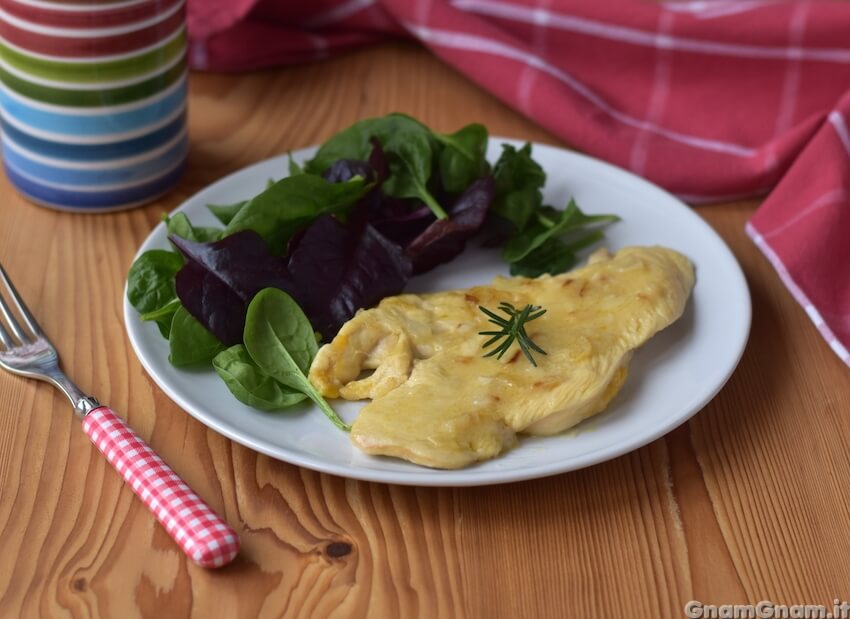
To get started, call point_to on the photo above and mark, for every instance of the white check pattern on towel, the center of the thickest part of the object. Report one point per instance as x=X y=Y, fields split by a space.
x=198 y=530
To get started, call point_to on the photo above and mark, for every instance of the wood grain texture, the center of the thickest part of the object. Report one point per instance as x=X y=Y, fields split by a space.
x=747 y=501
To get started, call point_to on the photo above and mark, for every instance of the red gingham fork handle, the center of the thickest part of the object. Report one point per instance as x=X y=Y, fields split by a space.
x=196 y=528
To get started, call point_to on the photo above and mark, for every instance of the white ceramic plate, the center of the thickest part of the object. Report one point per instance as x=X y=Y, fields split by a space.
x=671 y=378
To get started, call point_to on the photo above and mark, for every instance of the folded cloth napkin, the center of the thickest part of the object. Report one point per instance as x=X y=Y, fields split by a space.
x=714 y=100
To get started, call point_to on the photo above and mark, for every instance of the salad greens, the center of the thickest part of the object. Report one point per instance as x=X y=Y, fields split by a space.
x=547 y=224
x=444 y=239
x=179 y=225
x=292 y=203
x=281 y=342
x=151 y=289
x=190 y=344
x=163 y=316
x=553 y=256
x=411 y=149
x=519 y=180
x=541 y=238
x=225 y=212
x=219 y=279
x=250 y=385
x=356 y=265
x=462 y=159
x=381 y=201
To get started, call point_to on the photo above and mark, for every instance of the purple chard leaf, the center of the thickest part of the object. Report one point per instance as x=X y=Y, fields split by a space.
x=399 y=219
x=338 y=269
x=220 y=279
x=446 y=238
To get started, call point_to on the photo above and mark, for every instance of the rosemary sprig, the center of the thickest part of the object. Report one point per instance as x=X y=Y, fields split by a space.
x=512 y=329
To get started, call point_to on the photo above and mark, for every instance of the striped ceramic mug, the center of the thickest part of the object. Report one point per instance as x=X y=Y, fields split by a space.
x=93 y=100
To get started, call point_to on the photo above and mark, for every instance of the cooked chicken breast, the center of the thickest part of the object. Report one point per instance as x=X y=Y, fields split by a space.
x=438 y=402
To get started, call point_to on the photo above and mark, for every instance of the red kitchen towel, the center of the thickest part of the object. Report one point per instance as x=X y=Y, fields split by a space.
x=711 y=99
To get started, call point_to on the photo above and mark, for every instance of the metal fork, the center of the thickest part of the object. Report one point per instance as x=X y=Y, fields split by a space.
x=200 y=532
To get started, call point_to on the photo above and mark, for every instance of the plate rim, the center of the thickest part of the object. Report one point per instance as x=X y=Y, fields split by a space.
x=437 y=477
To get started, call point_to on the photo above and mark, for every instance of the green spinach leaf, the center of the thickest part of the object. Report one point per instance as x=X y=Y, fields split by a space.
x=544 y=239
x=410 y=148
x=462 y=157
x=150 y=283
x=292 y=203
x=410 y=155
x=226 y=212
x=554 y=256
x=519 y=180
x=294 y=168
x=250 y=385
x=550 y=223
x=282 y=343
x=163 y=317
x=355 y=141
x=150 y=286
x=189 y=342
x=551 y=257
x=179 y=225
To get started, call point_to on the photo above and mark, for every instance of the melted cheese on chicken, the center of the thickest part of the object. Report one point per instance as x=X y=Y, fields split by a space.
x=437 y=401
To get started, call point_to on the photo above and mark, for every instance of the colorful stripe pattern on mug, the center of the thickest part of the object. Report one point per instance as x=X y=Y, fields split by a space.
x=93 y=100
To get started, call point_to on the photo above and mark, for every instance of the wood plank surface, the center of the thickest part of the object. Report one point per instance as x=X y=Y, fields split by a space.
x=748 y=501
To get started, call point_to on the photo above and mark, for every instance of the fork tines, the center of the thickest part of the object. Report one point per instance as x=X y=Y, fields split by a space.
x=8 y=321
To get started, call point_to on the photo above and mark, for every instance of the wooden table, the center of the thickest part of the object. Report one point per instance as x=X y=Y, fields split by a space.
x=747 y=501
